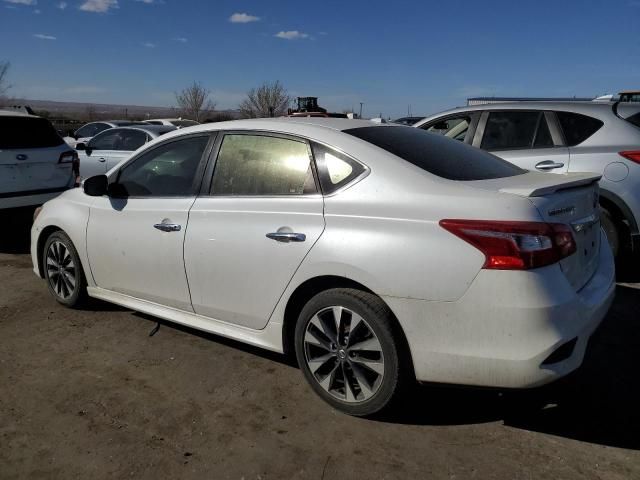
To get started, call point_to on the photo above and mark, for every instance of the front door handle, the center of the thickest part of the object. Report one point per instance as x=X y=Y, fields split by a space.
x=102 y=159
x=549 y=165
x=287 y=237
x=168 y=227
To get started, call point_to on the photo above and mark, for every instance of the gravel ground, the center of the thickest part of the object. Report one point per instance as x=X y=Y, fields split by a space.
x=88 y=394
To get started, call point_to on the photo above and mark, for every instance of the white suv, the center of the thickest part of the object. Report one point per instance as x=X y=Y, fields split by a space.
x=35 y=163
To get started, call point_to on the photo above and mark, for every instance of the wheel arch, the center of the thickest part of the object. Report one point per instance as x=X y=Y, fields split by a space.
x=311 y=287
x=618 y=208
x=42 y=238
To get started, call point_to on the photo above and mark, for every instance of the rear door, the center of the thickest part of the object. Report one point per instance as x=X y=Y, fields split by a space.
x=30 y=150
x=530 y=139
x=251 y=230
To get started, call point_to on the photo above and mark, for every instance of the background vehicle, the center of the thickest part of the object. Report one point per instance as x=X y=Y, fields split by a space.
x=630 y=96
x=90 y=130
x=35 y=163
x=407 y=120
x=175 y=122
x=560 y=137
x=107 y=149
x=329 y=238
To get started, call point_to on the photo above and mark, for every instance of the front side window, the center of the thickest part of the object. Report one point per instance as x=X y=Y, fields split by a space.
x=262 y=165
x=170 y=170
x=334 y=168
x=454 y=127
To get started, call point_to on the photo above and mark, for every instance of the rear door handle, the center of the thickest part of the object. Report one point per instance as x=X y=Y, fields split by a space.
x=287 y=237
x=549 y=165
x=102 y=159
x=168 y=227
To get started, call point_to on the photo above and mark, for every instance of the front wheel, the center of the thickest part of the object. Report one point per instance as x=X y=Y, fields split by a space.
x=63 y=271
x=348 y=352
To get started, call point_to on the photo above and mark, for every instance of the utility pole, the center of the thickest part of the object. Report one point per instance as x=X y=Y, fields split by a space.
x=360 y=116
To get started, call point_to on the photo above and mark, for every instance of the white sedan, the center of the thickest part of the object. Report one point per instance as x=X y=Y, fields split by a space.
x=377 y=254
x=108 y=148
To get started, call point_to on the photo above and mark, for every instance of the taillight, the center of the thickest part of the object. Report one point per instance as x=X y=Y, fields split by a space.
x=68 y=157
x=633 y=155
x=515 y=245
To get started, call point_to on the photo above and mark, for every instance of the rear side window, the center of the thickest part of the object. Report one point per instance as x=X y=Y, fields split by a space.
x=27 y=132
x=334 y=168
x=436 y=154
x=512 y=130
x=453 y=127
x=263 y=165
x=576 y=127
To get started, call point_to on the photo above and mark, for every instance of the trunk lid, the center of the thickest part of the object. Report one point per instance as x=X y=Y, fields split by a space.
x=571 y=199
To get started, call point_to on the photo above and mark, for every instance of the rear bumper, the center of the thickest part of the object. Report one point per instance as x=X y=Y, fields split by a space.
x=504 y=330
x=30 y=198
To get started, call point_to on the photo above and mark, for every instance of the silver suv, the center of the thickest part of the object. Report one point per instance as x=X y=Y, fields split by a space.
x=561 y=137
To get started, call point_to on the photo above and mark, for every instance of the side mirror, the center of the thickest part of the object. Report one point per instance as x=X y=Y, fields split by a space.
x=96 y=186
x=81 y=146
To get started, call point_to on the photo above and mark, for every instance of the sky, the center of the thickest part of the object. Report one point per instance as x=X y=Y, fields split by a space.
x=390 y=55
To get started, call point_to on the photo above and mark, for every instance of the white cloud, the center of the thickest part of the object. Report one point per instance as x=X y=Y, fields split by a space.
x=149 y=45
x=291 y=35
x=98 y=6
x=42 y=36
x=22 y=2
x=181 y=39
x=37 y=11
x=62 y=5
x=243 y=18
x=148 y=2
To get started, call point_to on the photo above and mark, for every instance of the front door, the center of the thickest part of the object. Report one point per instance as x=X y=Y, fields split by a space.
x=525 y=138
x=135 y=236
x=248 y=236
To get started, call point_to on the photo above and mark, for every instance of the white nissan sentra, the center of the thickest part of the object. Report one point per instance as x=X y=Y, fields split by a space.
x=378 y=254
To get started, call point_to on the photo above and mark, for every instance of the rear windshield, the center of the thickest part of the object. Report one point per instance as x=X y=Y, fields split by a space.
x=183 y=123
x=436 y=154
x=27 y=132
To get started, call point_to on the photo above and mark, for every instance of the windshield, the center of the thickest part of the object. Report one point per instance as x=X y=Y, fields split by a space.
x=436 y=154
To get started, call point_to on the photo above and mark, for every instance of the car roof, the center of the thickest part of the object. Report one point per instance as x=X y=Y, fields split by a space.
x=154 y=130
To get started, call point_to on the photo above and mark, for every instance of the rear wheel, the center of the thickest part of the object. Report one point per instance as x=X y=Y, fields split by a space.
x=63 y=271
x=347 y=351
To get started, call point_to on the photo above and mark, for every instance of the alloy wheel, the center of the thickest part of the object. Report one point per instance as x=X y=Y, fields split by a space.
x=61 y=270
x=344 y=354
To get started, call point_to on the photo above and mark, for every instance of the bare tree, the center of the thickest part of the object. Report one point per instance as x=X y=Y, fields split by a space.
x=268 y=100
x=194 y=101
x=4 y=85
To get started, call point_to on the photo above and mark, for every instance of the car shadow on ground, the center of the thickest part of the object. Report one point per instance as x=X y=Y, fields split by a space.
x=16 y=231
x=600 y=403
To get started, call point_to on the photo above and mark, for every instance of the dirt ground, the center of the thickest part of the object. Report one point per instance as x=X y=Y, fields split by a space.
x=89 y=394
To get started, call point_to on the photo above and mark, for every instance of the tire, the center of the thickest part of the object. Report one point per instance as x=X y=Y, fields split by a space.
x=611 y=229
x=368 y=353
x=63 y=270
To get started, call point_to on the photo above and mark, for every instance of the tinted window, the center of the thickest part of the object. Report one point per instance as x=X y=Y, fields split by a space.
x=436 y=154
x=131 y=140
x=87 y=131
x=170 y=170
x=635 y=119
x=27 y=132
x=510 y=130
x=576 y=127
x=543 y=135
x=334 y=169
x=108 y=140
x=184 y=123
x=455 y=127
x=262 y=165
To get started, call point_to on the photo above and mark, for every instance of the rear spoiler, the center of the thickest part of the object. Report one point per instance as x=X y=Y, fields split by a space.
x=550 y=183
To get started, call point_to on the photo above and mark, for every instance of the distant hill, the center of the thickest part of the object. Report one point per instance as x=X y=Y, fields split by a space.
x=105 y=111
